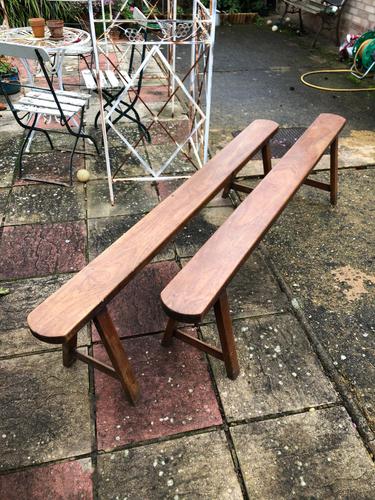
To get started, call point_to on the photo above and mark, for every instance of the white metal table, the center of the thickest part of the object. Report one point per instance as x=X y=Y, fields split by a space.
x=75 y=42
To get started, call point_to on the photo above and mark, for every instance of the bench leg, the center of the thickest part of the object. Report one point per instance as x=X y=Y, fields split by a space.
x=117 y=354
x=169 y=331
x=266 y=156
x=334 y=170
x=69 y=351
x=224 y=325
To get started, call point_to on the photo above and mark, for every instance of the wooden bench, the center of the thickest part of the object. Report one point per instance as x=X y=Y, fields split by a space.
x=327 y=10
x=86 y=295
x=202 y=283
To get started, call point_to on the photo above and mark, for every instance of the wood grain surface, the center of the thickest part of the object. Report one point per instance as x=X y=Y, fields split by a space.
x=197 y=286
x=61 y=315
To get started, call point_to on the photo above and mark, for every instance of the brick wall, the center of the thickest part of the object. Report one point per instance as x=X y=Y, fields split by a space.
x=358 y=16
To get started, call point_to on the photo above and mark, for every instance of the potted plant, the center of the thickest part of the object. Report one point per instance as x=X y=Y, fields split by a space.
x=9 y=77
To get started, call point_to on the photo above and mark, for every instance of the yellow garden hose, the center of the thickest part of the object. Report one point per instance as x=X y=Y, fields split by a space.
x=353 y=69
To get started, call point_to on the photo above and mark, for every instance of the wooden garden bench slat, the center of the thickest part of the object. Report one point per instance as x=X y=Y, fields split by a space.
x=84 y=297
x=202 y=282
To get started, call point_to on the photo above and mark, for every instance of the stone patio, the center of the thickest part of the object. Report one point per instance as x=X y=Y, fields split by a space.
x=300 y=419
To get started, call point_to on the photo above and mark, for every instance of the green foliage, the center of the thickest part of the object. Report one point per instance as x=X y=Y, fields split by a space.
x=20 y=11
x=6 y=67
x=234 y=6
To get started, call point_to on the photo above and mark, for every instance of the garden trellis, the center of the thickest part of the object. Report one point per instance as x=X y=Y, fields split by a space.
x=188 y=91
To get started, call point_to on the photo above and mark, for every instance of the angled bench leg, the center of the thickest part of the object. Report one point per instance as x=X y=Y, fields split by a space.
x=224 y=326
x=334 y=170
x=169 y=332
x=266 y=157
x=117 y=355
x=69 y=352
x=267 y=166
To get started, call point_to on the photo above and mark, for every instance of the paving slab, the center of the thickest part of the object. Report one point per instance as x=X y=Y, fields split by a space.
x=191 y=467
x=196 y=232
x=44 y=410
x=131 y=198
x=62 y=480
x=21 y=341
x=279 y=370
x=4 y=194
x=42 y=249
x=105 y=231
x=165 y=188
x=49 y=165
x=137 y=308
x=9 y=146
x=326 y=258
x=38 y=203
x=253 y=291
x=24 y=296
x=176 y=394
x=309 y=455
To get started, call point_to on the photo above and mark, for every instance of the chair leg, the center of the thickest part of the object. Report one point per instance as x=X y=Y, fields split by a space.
x=169 y=331
x=23 y=147
x=48 y=138
x=334 y=170
x=266 y=157
x=117 y=354
x=224 y=325
x=69 y=348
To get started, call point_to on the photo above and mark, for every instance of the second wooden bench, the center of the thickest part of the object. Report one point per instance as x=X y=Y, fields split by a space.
x=201 y=284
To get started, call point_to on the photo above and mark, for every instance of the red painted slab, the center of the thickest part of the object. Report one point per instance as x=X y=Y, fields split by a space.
x=176 y=394
x=42 y=249
x=137 y=308
x=58 y=481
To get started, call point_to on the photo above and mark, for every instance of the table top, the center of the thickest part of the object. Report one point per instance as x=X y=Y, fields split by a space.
x=75 y=41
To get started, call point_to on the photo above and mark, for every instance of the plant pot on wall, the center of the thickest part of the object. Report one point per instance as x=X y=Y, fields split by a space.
x=38 y=25
x=56 y=28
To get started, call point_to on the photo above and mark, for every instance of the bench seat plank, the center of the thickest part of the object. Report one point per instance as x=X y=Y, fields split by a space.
x=198 y=285
x=60 y=316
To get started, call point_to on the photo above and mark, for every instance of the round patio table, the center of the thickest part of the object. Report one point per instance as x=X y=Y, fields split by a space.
x=75 y=42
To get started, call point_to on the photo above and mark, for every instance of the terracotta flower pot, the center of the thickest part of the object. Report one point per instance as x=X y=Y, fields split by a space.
x=37 y=25
x=56 y=28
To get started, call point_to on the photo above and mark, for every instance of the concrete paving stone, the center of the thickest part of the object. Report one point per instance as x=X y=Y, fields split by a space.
x=24 y=296
x=253 y=291
x=21 y=341
x=165 y=188
x=176 y=394
x=105 y=231
x=41 y=249
x=170 y=131
x=131 y=198
x=44 y=410
x=326 y=257
x=9 y=147
x=190 y=467
x=310 y=455
x=4 y=194
x=120 y=158
x=196 y=232
x=67 y=480
x=279 y=370
x=137 y=308
x=45 y=203
x=53 y=166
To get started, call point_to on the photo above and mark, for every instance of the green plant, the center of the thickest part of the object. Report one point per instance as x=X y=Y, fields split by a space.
x=6 y=66
x=20 y=11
